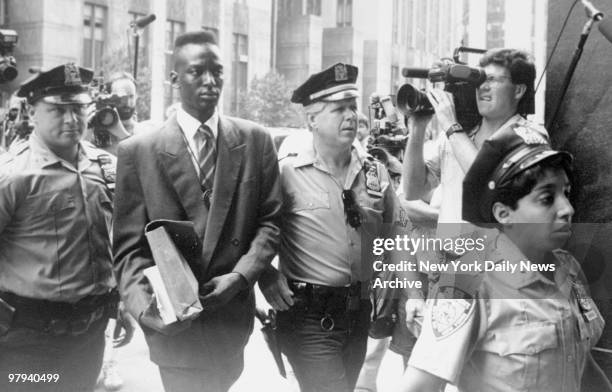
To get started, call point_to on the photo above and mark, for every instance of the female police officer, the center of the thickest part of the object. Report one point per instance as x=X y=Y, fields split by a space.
x=519 y=325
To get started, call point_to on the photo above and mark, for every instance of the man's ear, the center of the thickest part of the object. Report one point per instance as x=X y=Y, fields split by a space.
x=519 y=91
x=311 y=120
x=502 y=213
x=174 y=77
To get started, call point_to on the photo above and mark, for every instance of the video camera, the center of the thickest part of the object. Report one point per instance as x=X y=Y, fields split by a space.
x=105 y=114
x=387 y=129
x=8 y=64
x=459 y=79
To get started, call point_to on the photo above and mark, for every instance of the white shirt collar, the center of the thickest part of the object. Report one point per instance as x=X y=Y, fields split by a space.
x=189 y=124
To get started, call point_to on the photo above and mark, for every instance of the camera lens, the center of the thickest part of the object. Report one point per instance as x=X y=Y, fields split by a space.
x=410 y=100
x=7 y=73
x=106 y=117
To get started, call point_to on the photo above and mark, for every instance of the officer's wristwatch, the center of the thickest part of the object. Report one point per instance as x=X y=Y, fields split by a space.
x=453 y=129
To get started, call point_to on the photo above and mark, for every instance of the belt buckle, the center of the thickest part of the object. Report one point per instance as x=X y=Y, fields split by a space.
x=57 y=327
x=327 y=323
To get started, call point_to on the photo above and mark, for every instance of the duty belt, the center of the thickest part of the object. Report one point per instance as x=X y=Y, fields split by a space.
x=311 y=290
x=61 y=318
x=330 y=301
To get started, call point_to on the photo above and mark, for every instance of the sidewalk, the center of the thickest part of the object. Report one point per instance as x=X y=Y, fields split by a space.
x=260 y=373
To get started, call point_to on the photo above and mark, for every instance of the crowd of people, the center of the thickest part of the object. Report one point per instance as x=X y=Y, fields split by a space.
x=75 y=208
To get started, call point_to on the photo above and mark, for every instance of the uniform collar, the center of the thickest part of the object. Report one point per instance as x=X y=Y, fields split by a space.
x=190 y=125
x=517 y=118
x=308 y=156
x=44 y=157
x=503 y=249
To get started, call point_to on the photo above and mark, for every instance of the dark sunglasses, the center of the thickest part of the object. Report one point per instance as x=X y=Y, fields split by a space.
x=353 y=217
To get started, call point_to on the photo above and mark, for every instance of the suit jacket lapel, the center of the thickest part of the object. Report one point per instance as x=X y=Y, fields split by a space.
x=229 y=160
x=177 y=163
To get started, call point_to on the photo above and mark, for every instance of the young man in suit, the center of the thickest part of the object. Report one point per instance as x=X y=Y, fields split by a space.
x=220 y=173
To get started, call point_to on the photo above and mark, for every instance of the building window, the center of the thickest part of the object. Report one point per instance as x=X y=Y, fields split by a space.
x=314 y=7
x=173 y=29
x=287 y=8
x=344 y=16
x=143 y=42
x=240 y=64
x=94 y=33
x=495 y=23
x=4 y=19
x=395 y=39
x=409 y=22
x=395 y=79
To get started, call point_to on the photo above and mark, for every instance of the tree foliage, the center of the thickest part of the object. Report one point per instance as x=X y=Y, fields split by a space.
x=268 y=102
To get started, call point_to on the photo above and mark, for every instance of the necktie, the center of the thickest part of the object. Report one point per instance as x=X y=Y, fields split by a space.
x=207 y=156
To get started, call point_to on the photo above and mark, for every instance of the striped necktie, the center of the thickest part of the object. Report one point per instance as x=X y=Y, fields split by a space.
x=207 y=156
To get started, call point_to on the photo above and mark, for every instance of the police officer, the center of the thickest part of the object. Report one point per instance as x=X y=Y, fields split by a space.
x=336 y=199
x=56 y=281
x=526 y=322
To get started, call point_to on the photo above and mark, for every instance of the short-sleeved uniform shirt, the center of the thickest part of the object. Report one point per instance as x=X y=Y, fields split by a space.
x=317 y=244
x=55 y=222
x=444 y=169
x=509 y=331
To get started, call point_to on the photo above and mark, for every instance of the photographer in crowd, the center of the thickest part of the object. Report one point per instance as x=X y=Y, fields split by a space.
x=56 y=281
x=120 y=100
x=503 y=99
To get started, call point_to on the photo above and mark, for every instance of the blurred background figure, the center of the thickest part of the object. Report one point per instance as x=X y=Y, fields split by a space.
x=363 y=130
x=16 y=127
x=114 y=117
x=423 y=215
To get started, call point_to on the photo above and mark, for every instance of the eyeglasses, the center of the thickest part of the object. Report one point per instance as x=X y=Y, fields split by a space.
x=499 y=79
x=353 y=216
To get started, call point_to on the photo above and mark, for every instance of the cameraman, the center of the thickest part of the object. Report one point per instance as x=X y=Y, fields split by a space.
x=503 y=100
x=122 y=85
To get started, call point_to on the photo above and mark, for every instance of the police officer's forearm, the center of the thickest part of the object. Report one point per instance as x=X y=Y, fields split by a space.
x=414 y=169
x=416 y=380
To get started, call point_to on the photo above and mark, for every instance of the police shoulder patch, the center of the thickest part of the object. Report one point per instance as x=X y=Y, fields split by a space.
x=450 y=310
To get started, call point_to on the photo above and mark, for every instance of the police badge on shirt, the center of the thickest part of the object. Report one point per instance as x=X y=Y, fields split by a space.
x=450 y=310
x=372 y=179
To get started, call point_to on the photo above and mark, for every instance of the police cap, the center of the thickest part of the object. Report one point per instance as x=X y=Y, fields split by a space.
x=65 y=84
x=509 y=152
x=333 y=84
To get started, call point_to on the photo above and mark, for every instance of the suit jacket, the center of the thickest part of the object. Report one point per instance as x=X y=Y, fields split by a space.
x=156 y=179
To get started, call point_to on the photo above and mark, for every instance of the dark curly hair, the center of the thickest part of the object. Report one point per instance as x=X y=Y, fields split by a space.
x=522 y=71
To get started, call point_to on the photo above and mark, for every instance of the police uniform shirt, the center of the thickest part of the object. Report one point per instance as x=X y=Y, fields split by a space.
x=503 y=331
x=317 y=244
x=55 y=223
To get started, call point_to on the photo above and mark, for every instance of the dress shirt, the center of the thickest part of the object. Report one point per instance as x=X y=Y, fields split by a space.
x=189 y=126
